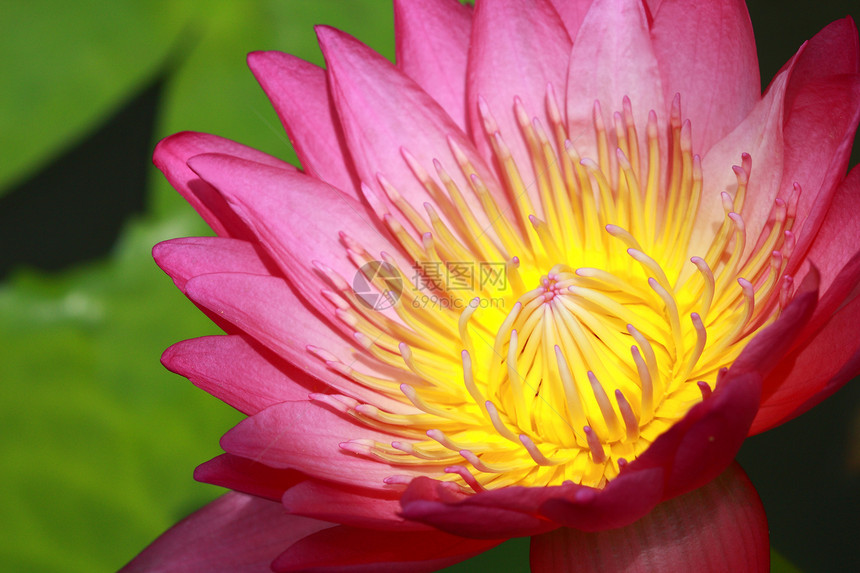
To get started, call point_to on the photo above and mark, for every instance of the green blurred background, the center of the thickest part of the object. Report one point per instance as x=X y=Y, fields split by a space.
x=97 y=441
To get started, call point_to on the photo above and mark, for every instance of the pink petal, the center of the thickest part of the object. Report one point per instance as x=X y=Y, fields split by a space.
x=612 y=57
x=517 y=49
x=268 y=310
x=572 y=13
x=236 y=532
x=235 y=371
x=306 y=436
x=349 y=506
x=719 y=527
x=821 y=363
x=299 y=93
x=283 y=210
x=706 y=52
x=171 y=155
x=761 y=135
x=432 y=47
x=247 y=476
x=189 y=257
x=351 y=549
x=383 y=113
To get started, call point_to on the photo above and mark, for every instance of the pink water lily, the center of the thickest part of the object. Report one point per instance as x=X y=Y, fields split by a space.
x=596 y=258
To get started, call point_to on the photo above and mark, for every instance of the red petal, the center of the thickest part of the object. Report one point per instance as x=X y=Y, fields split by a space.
x=171 y=156
x=432 y=48
x=236 y=532
x=352 y=549
x=247 y=476
x=720 y=527
x=348 y=506
x=706 y=52
x=299 y=94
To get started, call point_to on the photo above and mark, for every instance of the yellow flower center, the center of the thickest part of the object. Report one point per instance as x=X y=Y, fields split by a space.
x=541 y=349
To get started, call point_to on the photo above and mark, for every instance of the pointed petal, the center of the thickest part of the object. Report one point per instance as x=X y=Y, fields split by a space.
x=189 y=257
x=295 y=217
x=247 y=476
x=266 y=309
x=233 y=370
x=612 y=57
x=306 y=436
x=706 y=52
x=516 y=50
x=719 y=527
x=299 y=94
x=348 y=506
x=432 y=48
x=236 y=532
x=383 y=113
x=171 y=157
x=354 y=550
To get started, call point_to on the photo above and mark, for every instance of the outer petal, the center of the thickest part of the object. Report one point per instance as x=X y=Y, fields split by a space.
x=171 y=156
x=517 y=49
x=706 y=52
x=237 y=372
x=247 y=476
x=349 y=549
x=720 y=527
x=612 y=57
x=384 y=113
x=283 y=210
x=269 y=311
x=236 y=532
x=348 y=506
x=432 y=48
x=299 y=93
x=189 y=257
x=306 y=436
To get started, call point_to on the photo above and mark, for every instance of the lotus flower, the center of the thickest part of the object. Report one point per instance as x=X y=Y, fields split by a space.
x=541 y=278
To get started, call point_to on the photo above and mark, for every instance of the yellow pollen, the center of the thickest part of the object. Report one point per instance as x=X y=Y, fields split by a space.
x=534 y=344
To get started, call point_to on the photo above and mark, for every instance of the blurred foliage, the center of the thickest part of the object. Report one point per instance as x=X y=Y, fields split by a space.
x=98 y=440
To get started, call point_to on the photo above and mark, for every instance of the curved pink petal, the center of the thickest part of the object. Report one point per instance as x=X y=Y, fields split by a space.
x=356 y=507
x=189 y=257
x=282 y=209
x=299 y=93
x=247 y=476
x=612 y=57
x=517 y=49
x=306 y=436
x=236 y=532
x=245 y=376
x=384 y=113
x=171 y=156
x=353 y=550
x=719 y=527
x=706 y=52
x=432 y=45
x=268 y=310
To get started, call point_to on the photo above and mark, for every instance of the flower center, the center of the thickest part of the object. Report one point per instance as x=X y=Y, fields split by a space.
x=541 y=343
